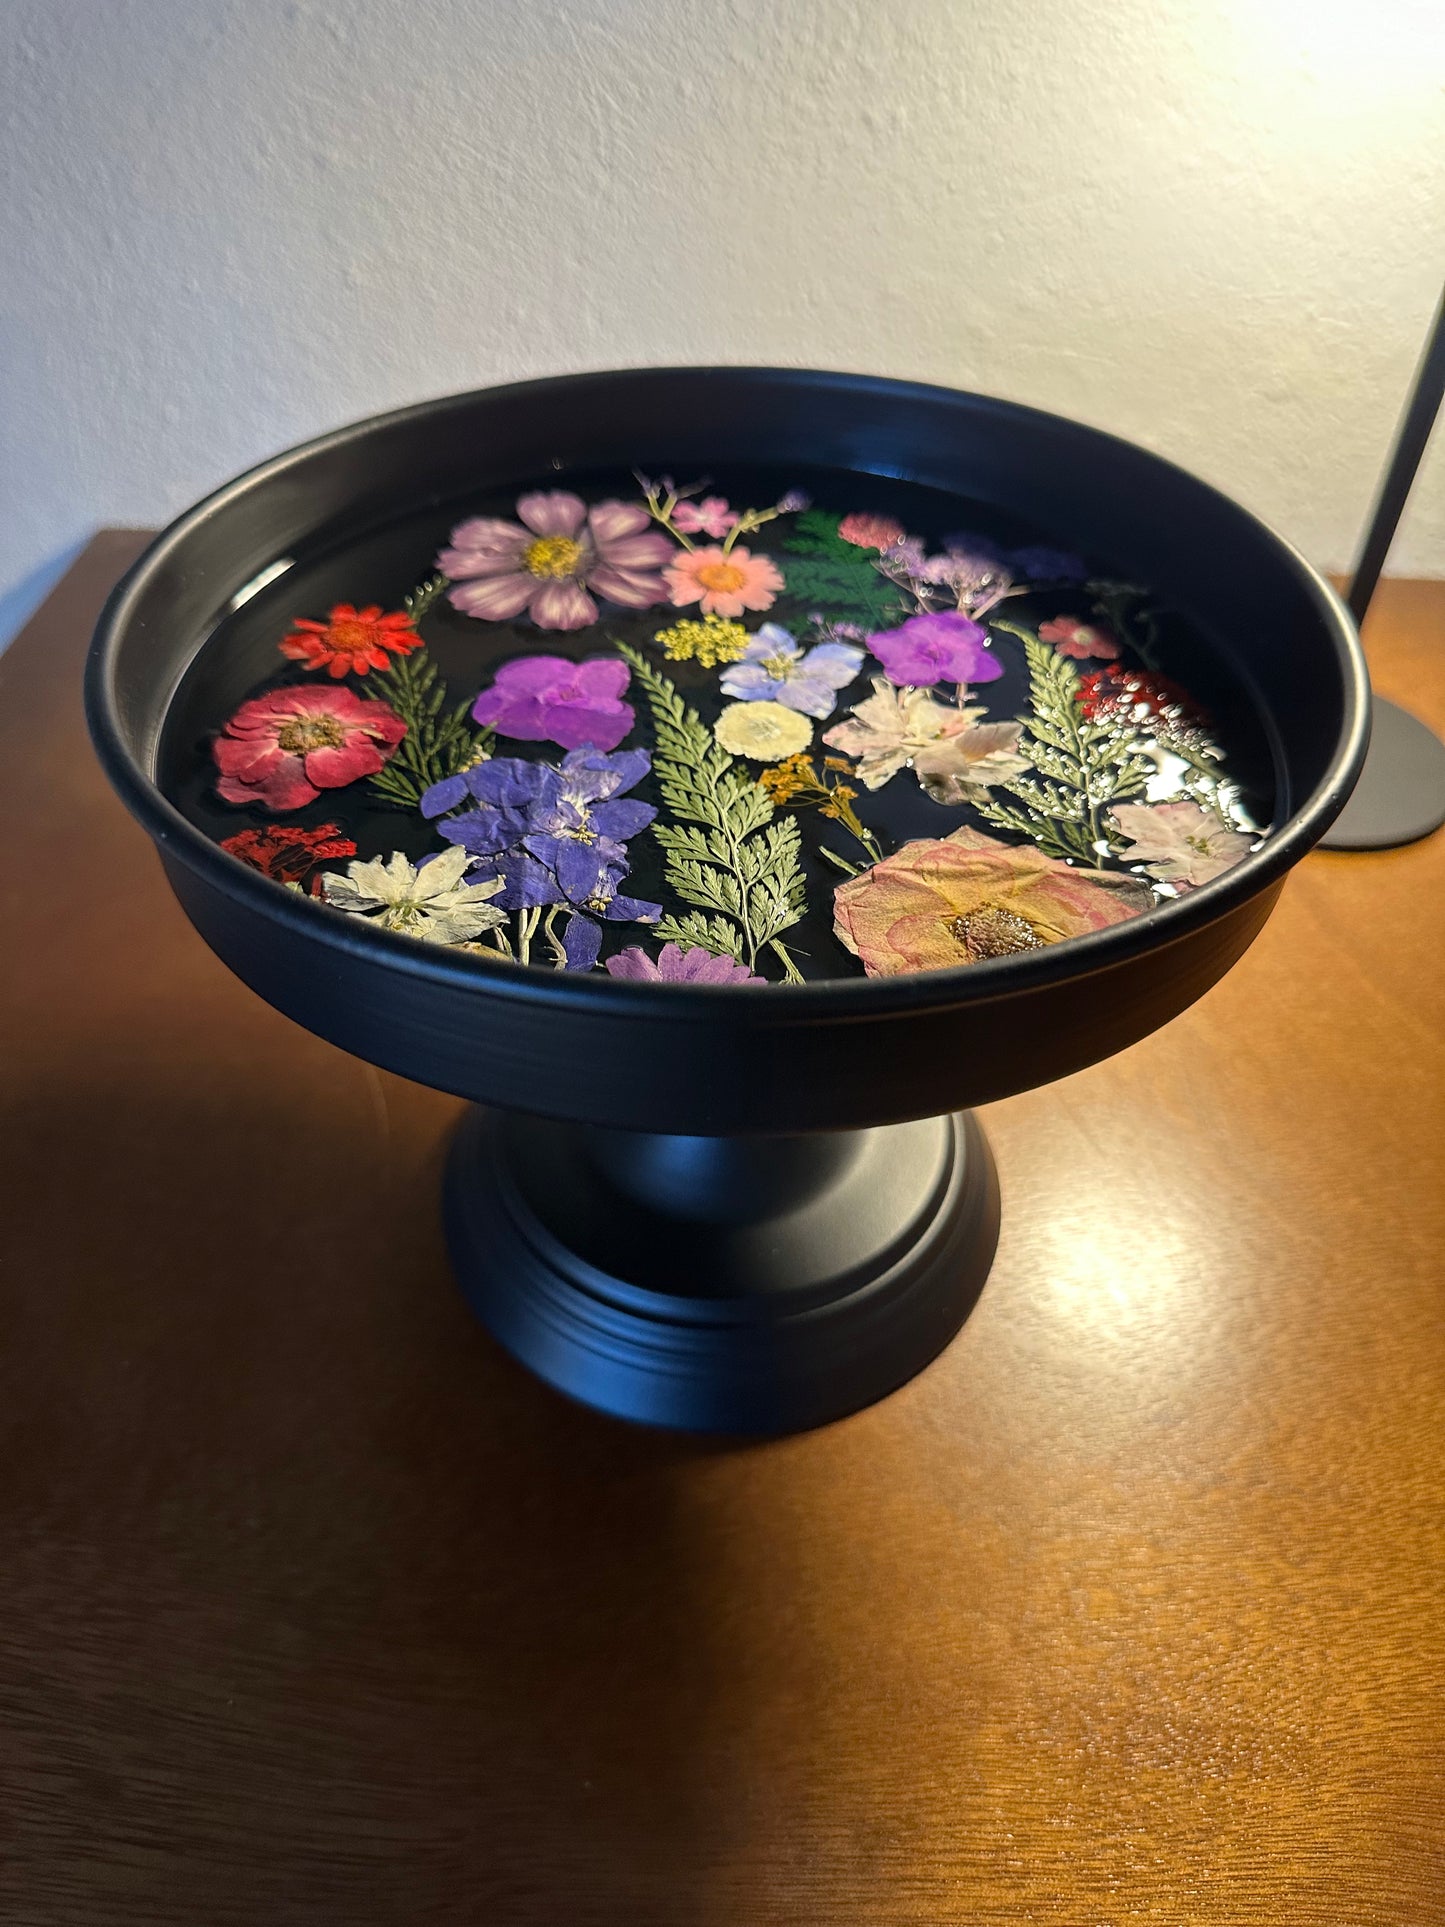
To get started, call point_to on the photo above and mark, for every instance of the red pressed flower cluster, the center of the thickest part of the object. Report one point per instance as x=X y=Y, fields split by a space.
x=1137 y=696
x=351 y=641
x=288 y=854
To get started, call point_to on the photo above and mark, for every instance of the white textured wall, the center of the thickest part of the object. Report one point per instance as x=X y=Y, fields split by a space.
x=1214 y=225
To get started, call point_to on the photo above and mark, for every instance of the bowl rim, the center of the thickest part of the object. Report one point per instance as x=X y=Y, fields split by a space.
x=819 y=1000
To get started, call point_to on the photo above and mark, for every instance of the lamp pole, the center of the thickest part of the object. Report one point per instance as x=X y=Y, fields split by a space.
x=1400 y=796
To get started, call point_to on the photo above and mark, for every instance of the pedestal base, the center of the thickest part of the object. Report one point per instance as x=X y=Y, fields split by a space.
x=744 y=1285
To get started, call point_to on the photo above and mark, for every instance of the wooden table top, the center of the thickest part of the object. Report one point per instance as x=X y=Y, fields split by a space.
x=317 y=1609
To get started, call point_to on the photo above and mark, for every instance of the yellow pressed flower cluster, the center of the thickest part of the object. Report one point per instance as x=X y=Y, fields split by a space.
x=710 y=641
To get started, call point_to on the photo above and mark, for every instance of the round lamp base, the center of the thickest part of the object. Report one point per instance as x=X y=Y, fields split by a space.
x=742 y=1285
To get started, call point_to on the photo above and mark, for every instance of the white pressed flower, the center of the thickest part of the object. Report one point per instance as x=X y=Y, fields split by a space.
x=430 y=902
x=894 y=726
x=1180 y=843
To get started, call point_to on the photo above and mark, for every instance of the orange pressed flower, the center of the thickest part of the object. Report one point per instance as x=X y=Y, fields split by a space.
x=351 y=641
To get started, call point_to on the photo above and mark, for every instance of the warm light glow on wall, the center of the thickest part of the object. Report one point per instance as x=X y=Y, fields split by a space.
x=1365 y=52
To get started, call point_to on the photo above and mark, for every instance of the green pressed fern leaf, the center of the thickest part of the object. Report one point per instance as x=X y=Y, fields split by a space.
x=726 y=852
x=824 y=571
x=438 y=741
x=1080 y=766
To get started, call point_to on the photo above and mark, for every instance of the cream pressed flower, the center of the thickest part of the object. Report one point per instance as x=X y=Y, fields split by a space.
x=766 y=732
x=431 y=902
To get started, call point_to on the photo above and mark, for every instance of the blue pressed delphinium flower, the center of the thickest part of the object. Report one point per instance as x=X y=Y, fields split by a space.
x=554 y=835
x=774 y=669
x=589 y=883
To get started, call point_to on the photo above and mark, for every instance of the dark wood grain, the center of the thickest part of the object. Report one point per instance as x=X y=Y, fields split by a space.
x=318 y=1610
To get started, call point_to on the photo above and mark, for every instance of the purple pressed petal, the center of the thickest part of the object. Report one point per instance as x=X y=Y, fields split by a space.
x=527 y=883
x=563 y=605
x=489 y=532
x=638 y=554
x=464 y=565
x=579 y=870
x=603 y=677
x=810 y=695
x=552 y=511
x=532 y=675
x=631 y=590
x=634 y=965
x=631 y=910
x=494 y=598
x=510 y=782
x=581 y=942
x=523 y=717
x=483 y=832
x=613 y=521
x=986 y=667
x=623 y=818
x=599 y=726
x=748 y=682
x=444 y=796
x=838 y=661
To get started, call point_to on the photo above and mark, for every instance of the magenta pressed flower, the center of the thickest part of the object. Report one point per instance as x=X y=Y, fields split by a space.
x=547 y=567
x=546 y=699
x=675 y=965
x=943 y=646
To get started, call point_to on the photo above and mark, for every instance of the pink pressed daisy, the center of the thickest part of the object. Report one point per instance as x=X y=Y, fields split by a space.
x=547 y=567
x=282 y=750
x=723 y=582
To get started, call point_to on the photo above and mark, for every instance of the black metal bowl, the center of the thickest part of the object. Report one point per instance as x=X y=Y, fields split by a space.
x=727 y=1062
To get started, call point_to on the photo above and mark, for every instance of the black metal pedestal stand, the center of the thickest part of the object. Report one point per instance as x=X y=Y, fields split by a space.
x=744 y=1285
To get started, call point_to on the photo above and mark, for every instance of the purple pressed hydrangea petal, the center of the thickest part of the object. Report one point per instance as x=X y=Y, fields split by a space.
x=534 y=675
x=603 y=677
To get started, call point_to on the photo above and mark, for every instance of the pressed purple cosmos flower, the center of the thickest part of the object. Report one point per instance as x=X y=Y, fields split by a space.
x=774 y=669
x=1039 y=564
x=945 y=646
x=675 y=965
x=500 y=568
x=546 y=699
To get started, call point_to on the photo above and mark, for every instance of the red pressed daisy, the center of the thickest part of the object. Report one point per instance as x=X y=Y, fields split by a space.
x=286 y=853
x=351 y=641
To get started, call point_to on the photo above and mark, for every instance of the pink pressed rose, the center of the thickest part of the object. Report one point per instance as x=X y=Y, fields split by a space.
x=546 y=699
x=1072 y=636
x=710 y=517
x=282 y=750
x=871 y=531
x=967 y=898
x=723 y=582
x=547 y=567
x=675 y=965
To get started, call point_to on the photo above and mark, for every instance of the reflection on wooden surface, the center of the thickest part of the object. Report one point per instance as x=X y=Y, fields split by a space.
x=318 y=1610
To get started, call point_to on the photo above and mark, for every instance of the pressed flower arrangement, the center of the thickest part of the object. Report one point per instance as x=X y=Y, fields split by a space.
x=720 y=733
